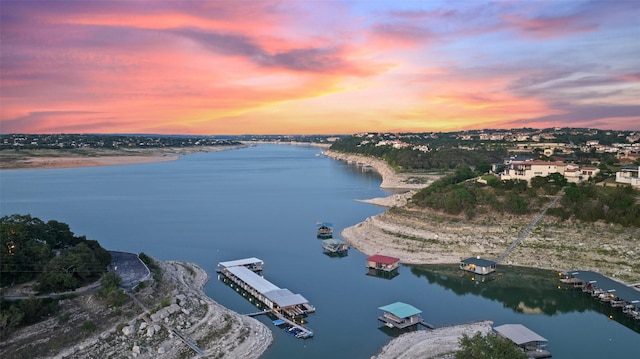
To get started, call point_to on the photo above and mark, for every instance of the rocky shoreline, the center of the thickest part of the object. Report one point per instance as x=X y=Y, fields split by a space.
x=441 y=343
x=422 y=236
x=218 y=331
x=147 y=326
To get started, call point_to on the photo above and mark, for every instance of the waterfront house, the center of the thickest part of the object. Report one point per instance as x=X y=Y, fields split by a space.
x=478 y=265
x=531 y=343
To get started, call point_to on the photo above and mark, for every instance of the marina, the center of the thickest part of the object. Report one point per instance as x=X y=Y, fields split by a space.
x=606 y=290
x=285 y=305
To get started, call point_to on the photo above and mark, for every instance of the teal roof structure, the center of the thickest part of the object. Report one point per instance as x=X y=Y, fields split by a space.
x=401 y=310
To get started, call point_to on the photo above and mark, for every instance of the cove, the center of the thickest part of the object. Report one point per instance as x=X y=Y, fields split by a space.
x=265 y=201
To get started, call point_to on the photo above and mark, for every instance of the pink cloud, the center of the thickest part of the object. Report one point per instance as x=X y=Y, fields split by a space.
x=542 y=27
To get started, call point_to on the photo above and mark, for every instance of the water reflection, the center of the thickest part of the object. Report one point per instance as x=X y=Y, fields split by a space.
x=523 y=290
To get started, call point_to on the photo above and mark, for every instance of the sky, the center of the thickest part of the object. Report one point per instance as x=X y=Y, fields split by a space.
x=317 y=66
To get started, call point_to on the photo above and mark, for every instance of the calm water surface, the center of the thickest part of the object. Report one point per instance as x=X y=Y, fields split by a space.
x=265 y=201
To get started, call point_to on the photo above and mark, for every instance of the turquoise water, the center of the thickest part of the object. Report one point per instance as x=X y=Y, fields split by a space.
x=265 y=201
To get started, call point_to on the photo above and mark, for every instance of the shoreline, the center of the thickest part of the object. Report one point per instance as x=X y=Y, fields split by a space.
x=441 y=343
x=55 y=159
x=146 y=328
x=426 y=237
x=422 y=236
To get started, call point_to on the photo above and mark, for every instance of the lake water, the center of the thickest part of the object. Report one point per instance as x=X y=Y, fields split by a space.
x=265 y=202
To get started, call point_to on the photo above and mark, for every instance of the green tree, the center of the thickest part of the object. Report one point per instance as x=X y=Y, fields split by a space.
x=488 y=347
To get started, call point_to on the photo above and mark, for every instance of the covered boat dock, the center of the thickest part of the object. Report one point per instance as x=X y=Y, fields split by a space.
x=401 y=316
x=325 y=230
x=478 y=265
x=253 y=263
x=529 y=341
x=275 y=298
x=284 y=304
x=335 y=246
x=383 y=266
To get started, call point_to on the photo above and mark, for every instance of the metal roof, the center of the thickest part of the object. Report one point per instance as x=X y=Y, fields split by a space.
x=240 y=262
x=378 y=258
x=620 y=290
x=284 y=297
x=333 y=241
x=401 y=310
x=519 y=334
x=478 y=261
x=248 y=276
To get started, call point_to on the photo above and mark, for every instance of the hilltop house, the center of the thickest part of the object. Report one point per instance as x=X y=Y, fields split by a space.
x=526 y=170
x=630 y=175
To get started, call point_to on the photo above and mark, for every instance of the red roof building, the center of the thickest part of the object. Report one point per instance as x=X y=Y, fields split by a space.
x=384 y=263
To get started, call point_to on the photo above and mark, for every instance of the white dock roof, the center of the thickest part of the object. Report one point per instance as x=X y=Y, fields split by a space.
x=519 y=334
x=240 y=262
x=248 y=276
x=284 y=298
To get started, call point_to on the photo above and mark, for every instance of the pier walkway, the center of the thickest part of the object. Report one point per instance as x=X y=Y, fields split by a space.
x=529 y=228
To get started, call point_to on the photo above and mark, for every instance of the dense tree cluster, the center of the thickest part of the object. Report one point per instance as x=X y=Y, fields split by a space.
x=488 y=346
x=49 y=253
x=24 y=312
x=460 y=193
x=590 y=203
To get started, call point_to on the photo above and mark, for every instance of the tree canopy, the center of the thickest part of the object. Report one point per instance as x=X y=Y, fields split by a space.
x=488 y=347
x=49 y=253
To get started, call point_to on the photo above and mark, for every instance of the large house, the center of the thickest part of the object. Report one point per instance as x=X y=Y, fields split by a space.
x=630 y=175
x=526 y=170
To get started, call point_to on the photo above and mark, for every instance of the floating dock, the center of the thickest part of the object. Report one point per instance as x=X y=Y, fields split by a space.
x=335 y=246
x=284 y=304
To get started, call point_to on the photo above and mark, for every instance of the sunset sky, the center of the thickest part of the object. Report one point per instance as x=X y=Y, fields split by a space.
x=317 y=66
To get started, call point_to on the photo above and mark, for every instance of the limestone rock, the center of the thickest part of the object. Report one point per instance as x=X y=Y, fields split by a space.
x=128 y=330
